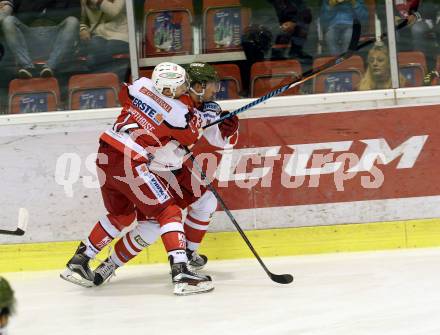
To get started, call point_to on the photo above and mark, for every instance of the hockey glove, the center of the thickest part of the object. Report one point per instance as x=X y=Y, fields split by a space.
x=229 y=126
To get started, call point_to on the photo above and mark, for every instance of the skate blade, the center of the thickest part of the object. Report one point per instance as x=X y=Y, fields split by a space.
x=195 y=268
x=182 y=289
x=75 y=278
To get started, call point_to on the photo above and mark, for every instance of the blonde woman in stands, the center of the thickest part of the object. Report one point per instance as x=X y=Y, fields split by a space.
x=378 y=75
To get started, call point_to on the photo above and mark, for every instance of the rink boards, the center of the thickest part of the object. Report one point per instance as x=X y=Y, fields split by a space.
x=337 y=176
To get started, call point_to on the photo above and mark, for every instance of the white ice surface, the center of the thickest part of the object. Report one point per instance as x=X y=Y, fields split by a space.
x=383 y=293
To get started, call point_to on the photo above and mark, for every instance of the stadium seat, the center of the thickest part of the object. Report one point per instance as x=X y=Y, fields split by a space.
x=344 y=77
x=143 y=73
x=223 y=25
x=269 y=75
x=35 y=95
x=90 y=91
x=412 y=65
x=168 y=27
x=146 y=72
x=230 y=80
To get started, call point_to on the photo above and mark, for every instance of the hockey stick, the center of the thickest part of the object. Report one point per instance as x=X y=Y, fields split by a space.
x=23 y=218
x=312 y=73
x=281 y=279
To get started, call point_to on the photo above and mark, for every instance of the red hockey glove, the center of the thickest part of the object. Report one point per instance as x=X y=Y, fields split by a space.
x=229 y=126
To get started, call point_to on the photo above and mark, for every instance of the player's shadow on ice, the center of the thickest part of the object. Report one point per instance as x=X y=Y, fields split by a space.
x=126 y=284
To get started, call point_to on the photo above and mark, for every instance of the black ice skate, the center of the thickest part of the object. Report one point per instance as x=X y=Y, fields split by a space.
x=104 y=272
x=196 y=262
x=77 y=269
x=187 y=282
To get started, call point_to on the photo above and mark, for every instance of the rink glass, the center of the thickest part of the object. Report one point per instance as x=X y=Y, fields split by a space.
x=251 y=50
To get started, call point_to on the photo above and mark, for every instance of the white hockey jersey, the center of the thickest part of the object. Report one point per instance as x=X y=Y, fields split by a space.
x=155 y=128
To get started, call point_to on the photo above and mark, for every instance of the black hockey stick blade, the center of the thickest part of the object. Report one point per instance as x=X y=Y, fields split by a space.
x=23 y=218
x=17 y=232
x=281 y=279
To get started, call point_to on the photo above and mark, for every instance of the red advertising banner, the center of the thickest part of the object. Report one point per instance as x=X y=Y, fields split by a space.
x=328 y=158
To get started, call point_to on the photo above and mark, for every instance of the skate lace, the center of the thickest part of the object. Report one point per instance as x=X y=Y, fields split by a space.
x=194 y=273
x=108 y=270
x=194 y=256
x=197 y=259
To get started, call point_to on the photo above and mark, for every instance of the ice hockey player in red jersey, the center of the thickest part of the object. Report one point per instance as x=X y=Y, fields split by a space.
x=135 y=163
x=204 y=84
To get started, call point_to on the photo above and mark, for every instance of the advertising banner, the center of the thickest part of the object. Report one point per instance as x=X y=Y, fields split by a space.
x=330 y=158
x=286 y=171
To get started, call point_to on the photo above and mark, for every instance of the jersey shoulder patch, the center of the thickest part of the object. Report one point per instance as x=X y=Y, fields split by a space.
x=211 y=107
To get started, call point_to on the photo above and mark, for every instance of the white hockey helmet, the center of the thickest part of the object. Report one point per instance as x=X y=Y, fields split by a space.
x=168 y=75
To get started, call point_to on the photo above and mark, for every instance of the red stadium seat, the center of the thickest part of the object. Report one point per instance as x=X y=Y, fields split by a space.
x=142 y=73
x=145 y=72
x=269 y=75
x=230 y=79
x=223 y=25
x=35 y=95
x=90 y=91
x=412 y=65
x=344 y=77
x=168 y=27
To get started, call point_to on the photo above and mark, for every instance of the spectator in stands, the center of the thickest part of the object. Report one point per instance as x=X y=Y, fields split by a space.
x=408 y=9
x=103 y=31
x=257 y=42
x=337 y=22
x=424 y=33
x=278 y=30
x=293 y=18
x=378 y=75
x=41 y=30
x=5 y=9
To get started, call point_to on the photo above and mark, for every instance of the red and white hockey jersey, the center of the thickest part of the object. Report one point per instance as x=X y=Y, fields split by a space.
x=153 y=128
